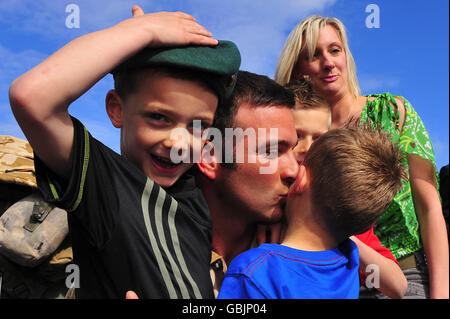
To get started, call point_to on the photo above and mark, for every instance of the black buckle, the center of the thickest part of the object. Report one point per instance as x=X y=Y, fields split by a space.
x=40 y=211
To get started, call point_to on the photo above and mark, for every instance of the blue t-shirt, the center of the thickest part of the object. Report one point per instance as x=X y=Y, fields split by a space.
x=277 y=271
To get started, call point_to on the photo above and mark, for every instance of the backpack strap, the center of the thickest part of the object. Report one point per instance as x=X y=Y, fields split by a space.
x=41 y=209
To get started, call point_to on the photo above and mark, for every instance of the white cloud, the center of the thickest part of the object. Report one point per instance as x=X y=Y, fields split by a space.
x=377 y=83
x=259 y=27
x=13 y=64
x=47 y=18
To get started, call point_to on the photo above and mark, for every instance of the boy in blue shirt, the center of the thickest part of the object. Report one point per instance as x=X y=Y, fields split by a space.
x=348 y=178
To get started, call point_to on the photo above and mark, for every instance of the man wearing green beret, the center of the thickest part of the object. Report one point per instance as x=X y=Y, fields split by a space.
x=137 y=220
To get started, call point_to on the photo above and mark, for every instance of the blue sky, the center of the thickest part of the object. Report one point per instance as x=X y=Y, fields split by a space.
x=407 y=55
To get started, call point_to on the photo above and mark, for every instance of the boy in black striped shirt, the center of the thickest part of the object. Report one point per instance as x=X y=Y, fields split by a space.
x=137 y=220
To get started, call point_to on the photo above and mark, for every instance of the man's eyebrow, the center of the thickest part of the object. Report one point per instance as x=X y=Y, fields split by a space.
x=283 y=143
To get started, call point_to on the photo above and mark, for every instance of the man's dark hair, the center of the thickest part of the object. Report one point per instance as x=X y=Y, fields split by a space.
x=255 y=90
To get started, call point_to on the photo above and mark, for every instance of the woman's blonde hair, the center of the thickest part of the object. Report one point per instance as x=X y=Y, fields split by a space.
x=308 y=31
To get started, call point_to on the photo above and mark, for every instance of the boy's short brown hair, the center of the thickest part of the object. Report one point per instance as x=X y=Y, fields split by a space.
x=355 y=173
x=305 y=95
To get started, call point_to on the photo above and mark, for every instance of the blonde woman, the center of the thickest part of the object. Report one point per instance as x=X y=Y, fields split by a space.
x=317 y=48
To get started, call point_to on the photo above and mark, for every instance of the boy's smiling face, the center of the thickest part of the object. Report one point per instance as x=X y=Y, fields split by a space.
x=310 y=124
x=150 y=115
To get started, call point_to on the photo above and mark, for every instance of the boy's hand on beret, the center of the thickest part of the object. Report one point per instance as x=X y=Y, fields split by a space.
x=171 y=28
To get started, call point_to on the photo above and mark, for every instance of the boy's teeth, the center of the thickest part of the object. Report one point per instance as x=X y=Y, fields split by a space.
x=166 y=162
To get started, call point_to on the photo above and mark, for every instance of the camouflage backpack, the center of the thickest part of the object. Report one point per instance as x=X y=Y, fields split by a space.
x=34 y=246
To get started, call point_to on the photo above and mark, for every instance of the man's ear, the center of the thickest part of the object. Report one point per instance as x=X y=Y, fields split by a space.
x=208 y=164
x=302 y=181
x=114 y=108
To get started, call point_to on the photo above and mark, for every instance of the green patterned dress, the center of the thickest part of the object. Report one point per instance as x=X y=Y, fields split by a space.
x=398 y=227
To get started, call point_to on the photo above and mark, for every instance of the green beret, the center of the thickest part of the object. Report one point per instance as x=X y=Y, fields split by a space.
x=222 y=60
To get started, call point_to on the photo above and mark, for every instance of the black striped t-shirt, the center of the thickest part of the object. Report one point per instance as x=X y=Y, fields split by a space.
x=127 y=232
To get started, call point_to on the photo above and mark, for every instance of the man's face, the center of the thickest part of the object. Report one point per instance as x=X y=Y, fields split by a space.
x=256 y=196
x=160 y=105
